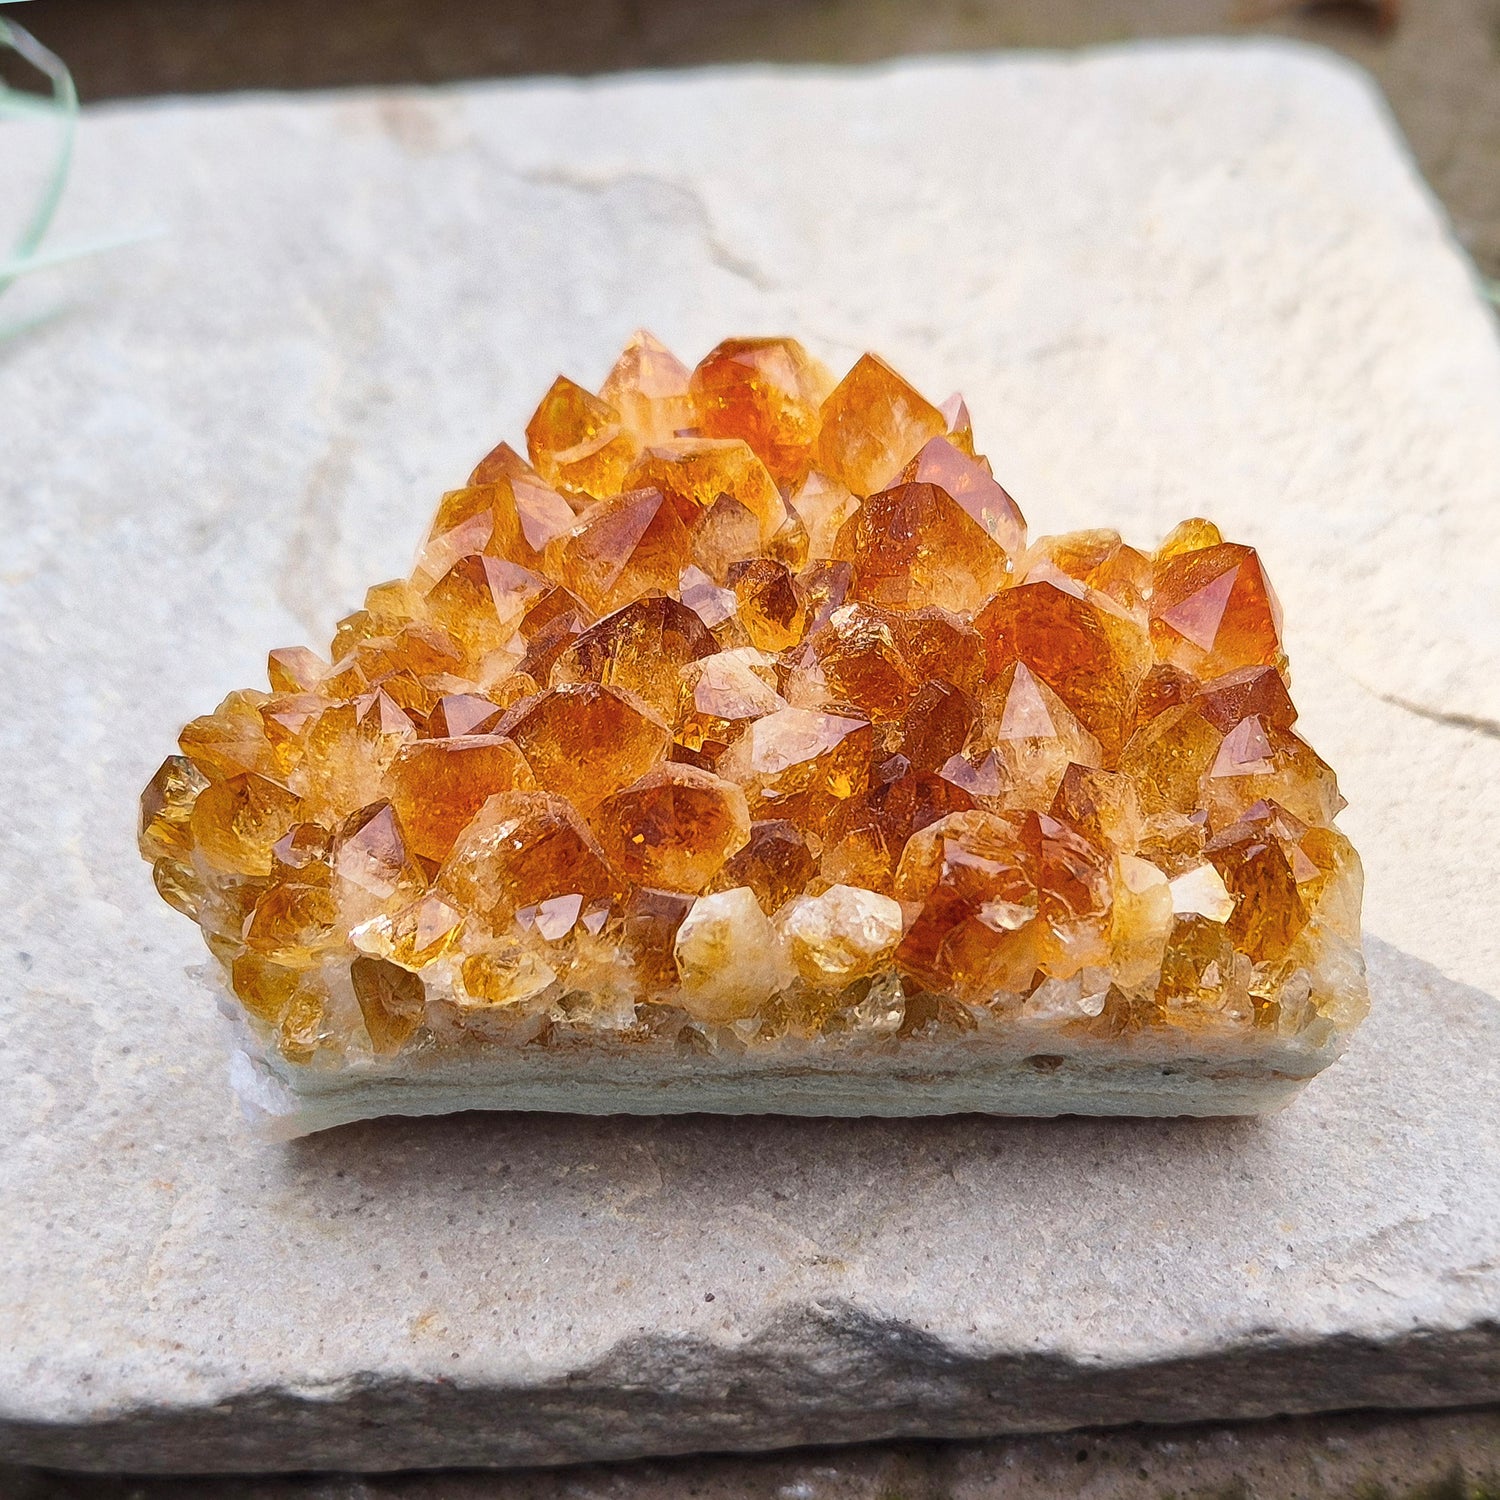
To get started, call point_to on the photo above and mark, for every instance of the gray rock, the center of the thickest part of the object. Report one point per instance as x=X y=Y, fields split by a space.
x=1169 y=280
x=1326 y=1457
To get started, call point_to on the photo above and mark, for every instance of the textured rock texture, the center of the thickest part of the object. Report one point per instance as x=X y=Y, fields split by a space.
x=1446 y=1455
x=1168 y=280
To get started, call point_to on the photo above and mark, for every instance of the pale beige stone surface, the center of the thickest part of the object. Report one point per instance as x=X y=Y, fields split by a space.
x=1169 y=280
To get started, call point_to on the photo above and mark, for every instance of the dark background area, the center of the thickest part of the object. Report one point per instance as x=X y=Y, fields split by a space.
x=1437 y=60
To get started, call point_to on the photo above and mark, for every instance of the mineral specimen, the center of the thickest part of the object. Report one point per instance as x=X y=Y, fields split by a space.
x=738 y=751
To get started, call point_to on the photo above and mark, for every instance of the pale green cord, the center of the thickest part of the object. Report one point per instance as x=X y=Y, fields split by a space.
x=10 y=269
x=63 y=106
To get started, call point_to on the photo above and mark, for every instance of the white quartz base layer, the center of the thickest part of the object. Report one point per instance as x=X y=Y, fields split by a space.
x=1056 y=1076
x=1168 y=280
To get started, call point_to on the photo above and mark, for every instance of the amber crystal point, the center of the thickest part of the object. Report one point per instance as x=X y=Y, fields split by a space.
x=740 y=724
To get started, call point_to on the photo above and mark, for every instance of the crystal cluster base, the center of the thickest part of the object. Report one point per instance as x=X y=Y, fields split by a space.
x=997 y=1074
x=737 y=750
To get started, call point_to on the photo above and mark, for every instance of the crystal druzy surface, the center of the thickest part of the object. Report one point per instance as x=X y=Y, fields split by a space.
x=741 y=714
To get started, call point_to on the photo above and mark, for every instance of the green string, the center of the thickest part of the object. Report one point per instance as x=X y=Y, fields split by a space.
x=63 y=107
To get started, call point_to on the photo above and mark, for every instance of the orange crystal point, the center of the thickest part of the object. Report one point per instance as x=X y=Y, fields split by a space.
x=867 y=834
x=294 y=669
x=1192 y=535
x=694 y=472
x=1163 y=687
x=721 y=695
x=1034 y=735
x=872 y=424
x=649 y=929
x=1000 y=897
x=1212 y=610
x=520 y=850
x=1257 y=760
x=479 y=601
x=436 y=786
x=855 y=660
x=840 y=935
x=462 y=713
x=267 y=990
x=716 y=607
x=674 y=828
x=798 y=764
x=936 y=725
x=624 y=547
x=231 y=740
x=167 y=809
x=412 y=936
x=729 y=962
x=1088 y=651
x=1104 y=806
x=942 y=647
x=727 y=534
x=297 y=914
x=501 y=462
x=556 y=604
x=648 y=386
x=977 y=903
x=528 y=515
x=642 y=648
x=511 y=519
x=771 y=603
x=915 y=545
x=534 y=501
x=391 y=1000
x=584 y=740
x=742 y=716
x=374 y=865
x=1168 y=756
x=1249 y=690
x=969 y=481
x=1254 y=866
x=768 y=392
x=345 y=751
x=578 y=441
x=823 y=506
x=955 y=412
x=1098 y=559
x=235 y=822
x=775 y=863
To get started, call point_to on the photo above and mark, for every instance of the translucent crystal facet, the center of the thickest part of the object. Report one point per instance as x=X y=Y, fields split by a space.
x=674 y=828
x=578 y=440
x=915 y=545
x=584 y=740
x=872 y=424
x=767 y=392
x=648 y=387
x=742 y=713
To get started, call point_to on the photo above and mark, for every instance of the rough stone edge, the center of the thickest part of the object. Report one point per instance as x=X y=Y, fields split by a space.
x=1418 y=1455
x=658 y=1396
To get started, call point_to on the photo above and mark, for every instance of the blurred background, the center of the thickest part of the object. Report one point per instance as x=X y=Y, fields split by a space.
x=1437 y=60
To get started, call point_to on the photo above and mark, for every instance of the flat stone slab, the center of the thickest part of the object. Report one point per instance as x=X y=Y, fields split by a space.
x=1169 y=280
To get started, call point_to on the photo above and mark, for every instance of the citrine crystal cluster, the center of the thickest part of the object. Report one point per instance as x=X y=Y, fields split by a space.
x=741 y=715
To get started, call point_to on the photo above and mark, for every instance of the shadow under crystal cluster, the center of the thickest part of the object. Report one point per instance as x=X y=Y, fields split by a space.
x=742 y=716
